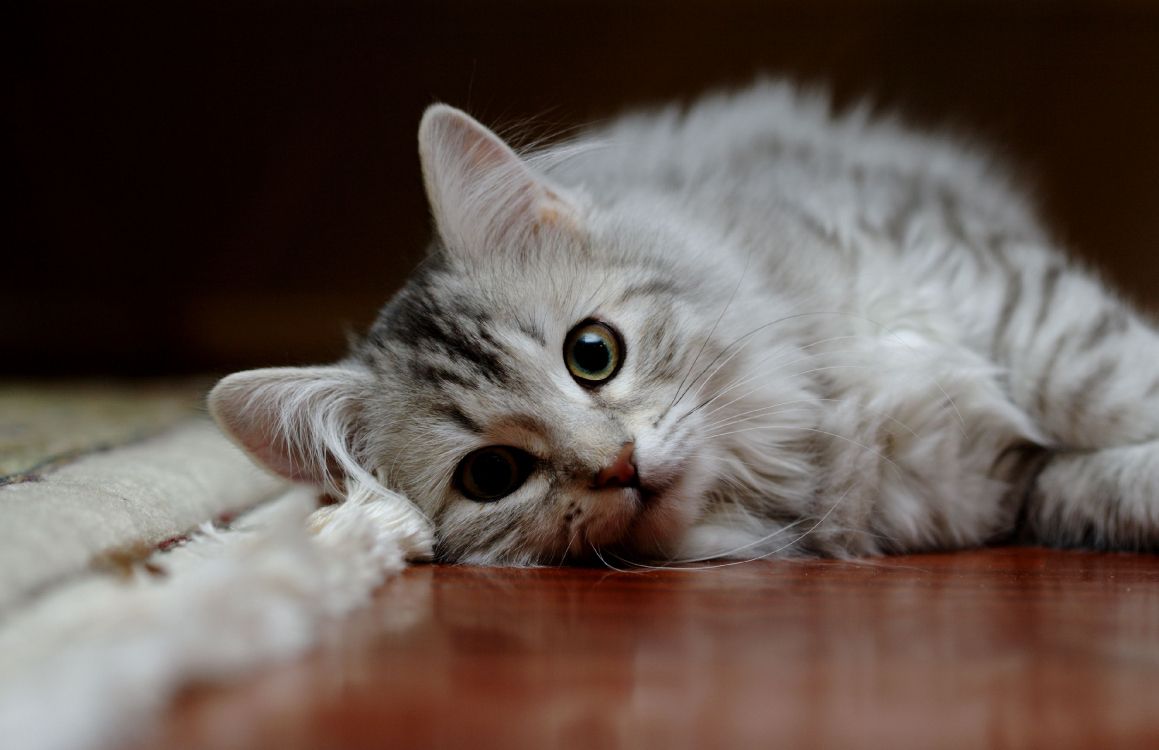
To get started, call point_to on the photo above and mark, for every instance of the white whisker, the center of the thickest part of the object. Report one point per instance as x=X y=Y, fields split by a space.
x=767 y=555
x=708 y=337
x=704 y=381
x=880 y=455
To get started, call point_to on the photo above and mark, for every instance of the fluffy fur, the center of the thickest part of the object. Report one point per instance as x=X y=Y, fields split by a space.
x=842 y=337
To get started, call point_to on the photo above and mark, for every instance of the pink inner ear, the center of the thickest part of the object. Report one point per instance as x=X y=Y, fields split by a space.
x=481 y=192
x=249 y=432
x=484 y=151
x=244 y=405
x=280 y=462
x=447 y=133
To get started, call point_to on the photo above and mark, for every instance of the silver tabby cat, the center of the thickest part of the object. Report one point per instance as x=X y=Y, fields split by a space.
x=745 y=328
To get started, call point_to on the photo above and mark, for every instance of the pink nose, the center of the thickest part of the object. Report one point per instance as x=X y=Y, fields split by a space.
x=621 y=472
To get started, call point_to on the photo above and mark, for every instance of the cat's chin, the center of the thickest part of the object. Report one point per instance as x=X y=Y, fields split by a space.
x=665 y=516
x=674 y=501
x=626 y=517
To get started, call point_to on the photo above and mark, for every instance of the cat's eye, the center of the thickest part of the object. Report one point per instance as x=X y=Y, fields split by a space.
x=593 y=352
x=492 y=473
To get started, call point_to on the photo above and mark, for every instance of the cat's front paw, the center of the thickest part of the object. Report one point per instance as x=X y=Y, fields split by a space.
x=394 y=528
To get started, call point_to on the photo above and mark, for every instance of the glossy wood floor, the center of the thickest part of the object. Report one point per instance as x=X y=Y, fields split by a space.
x=997 y=648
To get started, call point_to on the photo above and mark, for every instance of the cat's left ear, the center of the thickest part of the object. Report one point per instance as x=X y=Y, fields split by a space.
x=482 y=194
x=299 y=422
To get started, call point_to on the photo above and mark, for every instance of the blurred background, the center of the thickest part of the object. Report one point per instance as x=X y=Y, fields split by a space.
x=212 y=185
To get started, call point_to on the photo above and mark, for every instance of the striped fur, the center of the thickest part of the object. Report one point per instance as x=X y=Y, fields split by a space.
x=843 y=337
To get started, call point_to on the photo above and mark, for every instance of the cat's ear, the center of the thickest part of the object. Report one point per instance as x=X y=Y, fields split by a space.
x=299 y=422
x=480 y=191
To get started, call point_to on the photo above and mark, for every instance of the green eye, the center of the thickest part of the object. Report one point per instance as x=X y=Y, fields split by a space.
x=593 y=353
x=492 y=473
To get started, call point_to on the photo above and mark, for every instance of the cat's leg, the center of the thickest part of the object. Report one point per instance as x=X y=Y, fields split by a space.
x=1086 y=368
x=1106 y=498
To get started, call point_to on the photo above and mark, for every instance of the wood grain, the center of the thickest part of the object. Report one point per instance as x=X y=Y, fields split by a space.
x=998 y=648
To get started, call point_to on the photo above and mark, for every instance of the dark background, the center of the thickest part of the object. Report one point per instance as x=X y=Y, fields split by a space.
x=214 y=185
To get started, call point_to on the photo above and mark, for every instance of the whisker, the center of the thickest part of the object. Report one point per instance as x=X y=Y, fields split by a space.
x=753 y=332
x=574 y=533
x=880 y=455
x=608 y=565
x=771 y=409
x=705 y=380
x=715 y=324
x=754 y=414
x=750 y=378
x=746 y=394
x=764 y=373
x=738 y=381
x=881 y=327
x=771 y=553
x=728 y=553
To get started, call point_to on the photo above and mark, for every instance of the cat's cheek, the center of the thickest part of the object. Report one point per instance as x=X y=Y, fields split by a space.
x=662 y=460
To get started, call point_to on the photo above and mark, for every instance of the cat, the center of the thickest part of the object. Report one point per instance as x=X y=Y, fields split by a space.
x=744 y=328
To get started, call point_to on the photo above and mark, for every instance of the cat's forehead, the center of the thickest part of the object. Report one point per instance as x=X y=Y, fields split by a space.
x=467 y=350
x=447 y=333
x=533 y=294
x=467 y=315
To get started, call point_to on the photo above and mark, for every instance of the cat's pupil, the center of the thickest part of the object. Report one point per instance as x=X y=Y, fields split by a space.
x=493 y=474
x=591 y=353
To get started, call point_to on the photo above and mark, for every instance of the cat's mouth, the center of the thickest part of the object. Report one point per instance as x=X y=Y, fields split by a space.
x=652 y=493
x=634 y=509
x=649 y=497
x=616 y=511
x=650 y=501
x=654 y=485
x=646 y=493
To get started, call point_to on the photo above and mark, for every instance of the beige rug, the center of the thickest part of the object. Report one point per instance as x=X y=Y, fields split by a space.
x=45 y=425
x=140 y=550
x=101 y=474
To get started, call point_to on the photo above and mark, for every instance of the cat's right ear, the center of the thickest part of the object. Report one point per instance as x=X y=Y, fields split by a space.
x=483 y=195
x=299 y=422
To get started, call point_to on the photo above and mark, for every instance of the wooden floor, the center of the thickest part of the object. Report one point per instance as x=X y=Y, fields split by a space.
x=997 y=648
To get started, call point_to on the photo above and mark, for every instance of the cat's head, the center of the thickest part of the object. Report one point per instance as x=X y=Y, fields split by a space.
x=526 y=388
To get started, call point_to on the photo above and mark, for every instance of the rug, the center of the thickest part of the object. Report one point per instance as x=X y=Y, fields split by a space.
x=140 y=550
x=99 y=473
x=45 y=425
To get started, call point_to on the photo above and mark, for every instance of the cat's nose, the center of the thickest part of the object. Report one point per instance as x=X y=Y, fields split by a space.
x=621 y=472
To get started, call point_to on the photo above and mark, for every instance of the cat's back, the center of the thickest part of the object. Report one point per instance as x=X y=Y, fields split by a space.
x=774 y=147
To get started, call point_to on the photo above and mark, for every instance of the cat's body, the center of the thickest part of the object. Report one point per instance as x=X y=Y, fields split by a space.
x=823 y=335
